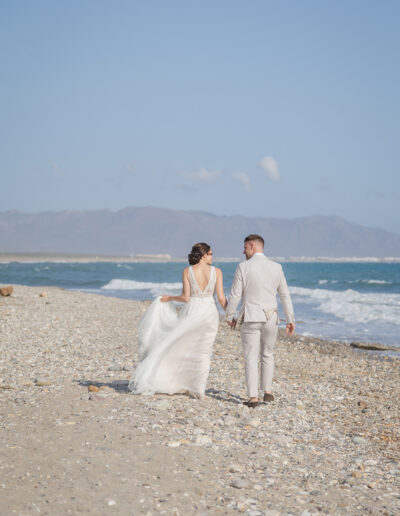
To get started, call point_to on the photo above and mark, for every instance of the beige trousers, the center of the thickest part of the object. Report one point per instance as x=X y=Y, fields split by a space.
x=258 y=340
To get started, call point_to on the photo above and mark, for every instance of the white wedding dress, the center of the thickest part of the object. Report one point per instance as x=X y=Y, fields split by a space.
x=175 y=349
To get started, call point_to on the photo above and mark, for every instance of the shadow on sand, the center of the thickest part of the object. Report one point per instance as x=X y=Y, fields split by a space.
x=224 y=396
x=121 y=386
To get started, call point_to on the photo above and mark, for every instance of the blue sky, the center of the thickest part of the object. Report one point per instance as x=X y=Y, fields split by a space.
x=260 y=108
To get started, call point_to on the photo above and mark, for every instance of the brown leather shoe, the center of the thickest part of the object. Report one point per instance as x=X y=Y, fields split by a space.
x=268 y=397
x=251 y=404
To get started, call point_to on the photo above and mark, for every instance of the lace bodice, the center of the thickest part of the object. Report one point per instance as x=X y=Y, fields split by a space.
x=195 y=290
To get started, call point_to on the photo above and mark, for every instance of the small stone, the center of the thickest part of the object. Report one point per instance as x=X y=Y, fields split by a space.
x=356 y=474
x=240 y=483
x=6 y=387
x=254 y=422
x=315 y=492
x=42 y=294
x=251 y=501
x=235 y=468
x=111 y=502
x=358 y=440
x=174 y=444
x=93 y=388
x=42 y=383
x=6 y=291
x=362 y=404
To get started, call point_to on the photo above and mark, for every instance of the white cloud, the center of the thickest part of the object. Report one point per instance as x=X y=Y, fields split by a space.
x=243 y=178
x=270 y=167
x=205 y=176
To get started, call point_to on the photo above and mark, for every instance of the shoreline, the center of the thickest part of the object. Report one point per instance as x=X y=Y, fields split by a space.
x=369 y=347
x=76 y=440
x=95 y=258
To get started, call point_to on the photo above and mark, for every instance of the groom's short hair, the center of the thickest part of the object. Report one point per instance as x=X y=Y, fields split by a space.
x=257 y=238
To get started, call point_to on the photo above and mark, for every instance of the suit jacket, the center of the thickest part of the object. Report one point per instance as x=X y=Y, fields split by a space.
x=256 y=283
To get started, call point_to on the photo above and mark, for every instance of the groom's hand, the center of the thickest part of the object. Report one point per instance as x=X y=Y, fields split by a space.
x=290 y=328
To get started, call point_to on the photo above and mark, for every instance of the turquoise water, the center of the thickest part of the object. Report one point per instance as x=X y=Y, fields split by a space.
x=342 y=301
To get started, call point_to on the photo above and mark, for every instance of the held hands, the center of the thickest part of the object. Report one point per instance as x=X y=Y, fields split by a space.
x=165 y=299
x=290 y=328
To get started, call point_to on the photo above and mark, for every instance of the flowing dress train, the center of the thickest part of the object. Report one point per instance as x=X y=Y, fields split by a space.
x=175 y=349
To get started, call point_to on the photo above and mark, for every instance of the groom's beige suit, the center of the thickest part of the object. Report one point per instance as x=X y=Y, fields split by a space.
x=256 y=283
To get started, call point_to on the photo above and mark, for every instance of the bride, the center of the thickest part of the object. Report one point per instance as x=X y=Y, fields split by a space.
x=175 y=349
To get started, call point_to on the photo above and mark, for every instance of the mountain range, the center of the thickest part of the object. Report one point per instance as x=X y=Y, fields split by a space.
x=150 y=230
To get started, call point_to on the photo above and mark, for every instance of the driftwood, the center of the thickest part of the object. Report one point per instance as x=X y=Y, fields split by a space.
x=373 y=347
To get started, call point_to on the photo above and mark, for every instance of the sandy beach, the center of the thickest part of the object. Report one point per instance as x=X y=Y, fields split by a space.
x=75 y=441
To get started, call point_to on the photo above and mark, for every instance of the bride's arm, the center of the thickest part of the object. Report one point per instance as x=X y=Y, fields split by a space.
x=184 y=297
x=219 y=288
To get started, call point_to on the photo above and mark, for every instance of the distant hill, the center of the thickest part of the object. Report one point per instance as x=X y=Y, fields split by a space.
x=159 y=230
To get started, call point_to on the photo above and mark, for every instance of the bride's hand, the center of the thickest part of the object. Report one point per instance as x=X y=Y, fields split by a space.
x=165 y=299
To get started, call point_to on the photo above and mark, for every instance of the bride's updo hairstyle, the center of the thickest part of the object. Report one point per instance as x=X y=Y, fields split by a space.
x=197 y=252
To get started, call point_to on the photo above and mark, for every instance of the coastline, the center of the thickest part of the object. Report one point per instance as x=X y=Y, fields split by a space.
x=93 y=258
x=328 y=444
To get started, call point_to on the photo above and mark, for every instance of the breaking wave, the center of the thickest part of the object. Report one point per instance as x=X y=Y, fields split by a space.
x=352 y=306
x=155 y=288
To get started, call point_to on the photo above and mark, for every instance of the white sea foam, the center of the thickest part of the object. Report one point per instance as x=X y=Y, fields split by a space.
x=322 y=281
x=155 y=288
x=352 y=306
x=370 y=282
x=377 y=282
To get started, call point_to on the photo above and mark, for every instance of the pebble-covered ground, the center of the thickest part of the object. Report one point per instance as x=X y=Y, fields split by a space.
x=75 y=441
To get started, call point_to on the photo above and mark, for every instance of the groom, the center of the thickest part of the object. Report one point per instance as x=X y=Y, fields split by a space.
x=256 y=283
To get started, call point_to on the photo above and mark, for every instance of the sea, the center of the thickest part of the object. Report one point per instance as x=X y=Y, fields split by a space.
x=346 y=302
